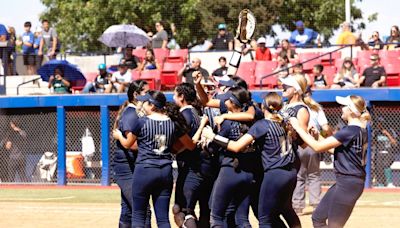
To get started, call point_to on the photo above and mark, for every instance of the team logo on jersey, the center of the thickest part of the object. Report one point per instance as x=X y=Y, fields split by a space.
x=161 y=144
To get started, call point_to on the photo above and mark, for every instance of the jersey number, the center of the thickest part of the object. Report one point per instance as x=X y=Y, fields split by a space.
x=161 y=144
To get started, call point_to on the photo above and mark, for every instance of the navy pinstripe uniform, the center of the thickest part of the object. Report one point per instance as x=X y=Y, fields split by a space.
x=279 y=175
x=234 y=180
x=350 y=160
x=123 y=166
x=153 y=171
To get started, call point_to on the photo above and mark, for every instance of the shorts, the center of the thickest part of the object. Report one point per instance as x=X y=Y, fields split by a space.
x=29 y=59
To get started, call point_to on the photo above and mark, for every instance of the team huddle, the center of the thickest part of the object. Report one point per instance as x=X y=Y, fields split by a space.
x=232 y=155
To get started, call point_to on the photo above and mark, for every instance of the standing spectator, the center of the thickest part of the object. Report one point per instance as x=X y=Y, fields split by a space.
x=375 y=42
x=173 y=43
x=3 y=33
x=130 y=60
x=346 y=37
x=58 y=83
x=287 y=50
x=347 y=77
x=3 y=50
x=36 y=45
x=375 y=75
x=120 y=80
x=303 y=37
x=15 y=144
x=223 y=41
x=188 y=69
x=160 y=39
x=393 y=41
x=100 y=82
x=27 y=48
x=262 y=52
x=223 y=70
x=49 y=42
x=319 y=78
x=12 y=39
x=149 y=62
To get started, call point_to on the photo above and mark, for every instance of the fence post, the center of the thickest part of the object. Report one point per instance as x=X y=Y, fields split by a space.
x=105 y=145
x=61 y=160
x=368 y=177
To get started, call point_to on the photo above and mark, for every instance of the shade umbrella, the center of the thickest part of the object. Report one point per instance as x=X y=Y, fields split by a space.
x=71 y=72
x=124 y=35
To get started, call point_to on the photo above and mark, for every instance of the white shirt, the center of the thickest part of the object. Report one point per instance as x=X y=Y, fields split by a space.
x=127 y=77
x=317 y=119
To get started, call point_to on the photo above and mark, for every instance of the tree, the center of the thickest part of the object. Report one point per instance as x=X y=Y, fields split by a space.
x=80 y=23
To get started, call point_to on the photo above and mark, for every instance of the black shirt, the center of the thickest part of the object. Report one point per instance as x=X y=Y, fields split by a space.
x=221 y=42
x=220 y=71
x=188 y=74
x=372 y=75
x=131 y=62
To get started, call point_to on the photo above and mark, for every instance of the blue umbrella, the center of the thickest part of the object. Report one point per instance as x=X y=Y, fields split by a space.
x=124 y=35
x=71 y=72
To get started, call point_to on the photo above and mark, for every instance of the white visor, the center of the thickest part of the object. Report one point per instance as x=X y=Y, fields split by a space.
x=291 y=81
x=346 y=101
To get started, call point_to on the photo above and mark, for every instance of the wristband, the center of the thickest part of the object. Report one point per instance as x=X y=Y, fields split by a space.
x=221 y=141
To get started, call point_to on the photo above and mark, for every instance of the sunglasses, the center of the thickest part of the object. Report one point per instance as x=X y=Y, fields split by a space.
x=374 y=59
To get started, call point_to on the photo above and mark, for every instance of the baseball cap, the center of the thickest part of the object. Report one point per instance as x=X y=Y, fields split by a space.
x=229 y=96
x=102 y=66
x=261 y=40
x=299 y=24
x=222 y=26
x=149 y=98
x=228 y=83
x=291 y=81
x=346 y=101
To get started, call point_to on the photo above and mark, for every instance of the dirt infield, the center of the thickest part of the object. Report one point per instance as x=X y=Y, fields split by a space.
x=99 y=207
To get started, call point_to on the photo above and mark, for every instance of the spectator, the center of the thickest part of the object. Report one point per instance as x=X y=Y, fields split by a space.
x=347 y=77
x=223 y=70
x=130 y=60
x=375 y=42
x=188 y=69
x=12 y=39
x=346 y=37
x=287 y=50
x=223 y=41
x=360 y=42
x=120 y=80
x=36 y=45
x=298 y=69
x=262 y=52
x=385 y=148
x=160 y=39
x=15 y=144
x=58 y=83
x=375 y=75
x=149 y=62
x=100 y=82
x=3 y=33
x=27 y=48
x=49 y=42
x=3 y=50
x=173 y=43
x=283 y=66
x=303 y=37
x=393 y=41
x=319 y=78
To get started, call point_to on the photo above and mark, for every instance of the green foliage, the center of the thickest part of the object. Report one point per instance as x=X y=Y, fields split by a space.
x=80 y=23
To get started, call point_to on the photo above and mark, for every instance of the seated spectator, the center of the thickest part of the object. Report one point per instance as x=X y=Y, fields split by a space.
x=375 y=42
x=298 y=69
x=393 y=41
x=223 y=70
x=130 y=60
x=27 y=48
x=149 y=62
x=120 y=80
x=287 y=50
x=303 y=37
x=347 y=77
x=319 y=78
x=346 y=37
x=100 y=82
x=188 y=69
x=262 y=52
x=375 y=75
x=58 y=83
x=223 y=41
x=160 y=39
x=283 y=66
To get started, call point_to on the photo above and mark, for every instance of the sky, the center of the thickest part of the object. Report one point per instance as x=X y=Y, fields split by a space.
x=16 y=12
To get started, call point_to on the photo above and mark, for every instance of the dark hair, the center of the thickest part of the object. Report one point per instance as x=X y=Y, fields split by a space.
x=134 y=88
x=240 y=82
x=285 y=57
x=45 y=20
x=319 y=67
x=162 y=23
x=221 y=58
x=153 y=58
x=189 y=94
x=60 y=70
x=298 y=65
x=391 y=38
x=242 y=95
x=173 y=112
x=28 y=24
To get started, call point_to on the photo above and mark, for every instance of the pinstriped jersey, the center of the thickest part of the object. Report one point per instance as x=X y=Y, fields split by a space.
x=192 y=118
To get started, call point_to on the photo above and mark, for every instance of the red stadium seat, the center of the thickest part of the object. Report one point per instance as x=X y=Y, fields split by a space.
x=326 y=59
x=392 y=81
x=246 y=71
x=178 y=55
x=161 y=54
x=77 y=85
x=392 y=69
x=169 y=79
x=152 y=77
x=91 y=76
x=262 y=69
x=308 y=66
x=139 y=52
x=175 y=66
x=135 y=75
x=390 y=61
x=329 y=70
x=389 y=54
x=366 y=54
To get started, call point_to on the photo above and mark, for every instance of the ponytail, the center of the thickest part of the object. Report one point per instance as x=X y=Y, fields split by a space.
x=120 y=111
x=311 y=103
x=172 y=111
x=273 y=104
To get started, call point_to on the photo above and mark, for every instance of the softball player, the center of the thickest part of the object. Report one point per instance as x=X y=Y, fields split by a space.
x=277 y=159
x=350 y=145
x=124 y=159
x=155 y=134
